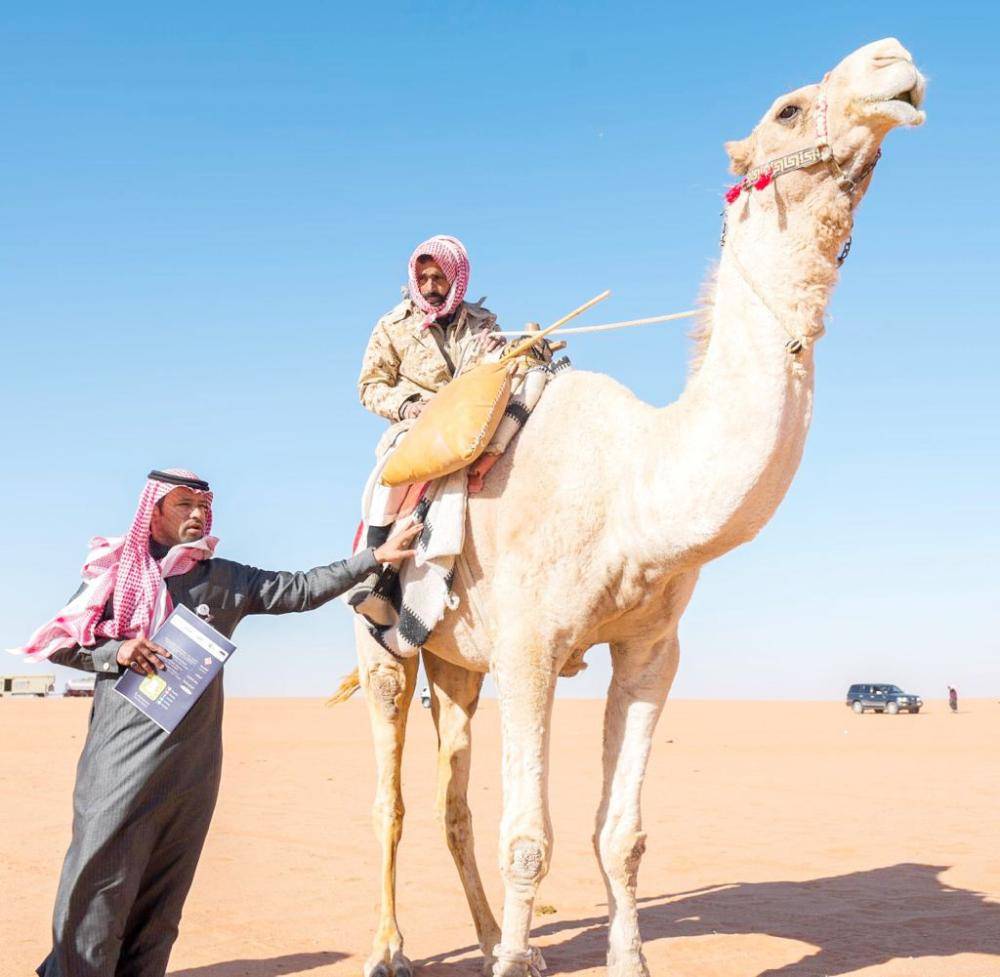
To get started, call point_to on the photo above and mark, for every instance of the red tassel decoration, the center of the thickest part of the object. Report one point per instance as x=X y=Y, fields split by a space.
x=733 y=192
x=763 y=180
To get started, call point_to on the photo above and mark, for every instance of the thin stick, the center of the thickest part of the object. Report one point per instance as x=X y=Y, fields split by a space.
x=518 y=348
x=606 y=326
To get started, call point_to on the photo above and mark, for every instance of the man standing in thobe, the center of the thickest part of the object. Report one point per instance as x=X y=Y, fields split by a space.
x=144 y=798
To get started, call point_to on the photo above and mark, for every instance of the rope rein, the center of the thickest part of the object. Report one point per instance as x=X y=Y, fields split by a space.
x=608 y=326
x=795 y=343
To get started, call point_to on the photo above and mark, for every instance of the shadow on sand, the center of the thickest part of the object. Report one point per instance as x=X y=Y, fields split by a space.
x=291 y=963
x=858 y=920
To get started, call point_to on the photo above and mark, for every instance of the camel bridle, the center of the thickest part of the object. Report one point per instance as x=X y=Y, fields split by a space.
x=822 y=152
x=759 y=177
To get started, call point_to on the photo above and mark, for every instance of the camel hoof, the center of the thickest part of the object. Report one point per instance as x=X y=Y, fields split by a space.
x=518 y=963
x=628 y=965
x=397 y=966
x=401 y=967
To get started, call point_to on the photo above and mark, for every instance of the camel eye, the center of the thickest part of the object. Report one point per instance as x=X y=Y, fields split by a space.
x=788 y=113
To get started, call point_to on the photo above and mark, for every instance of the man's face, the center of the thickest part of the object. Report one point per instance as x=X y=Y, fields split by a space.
x=431 y=281
x=180 y=517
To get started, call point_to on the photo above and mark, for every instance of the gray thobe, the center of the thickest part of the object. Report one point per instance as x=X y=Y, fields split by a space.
x=144 y=798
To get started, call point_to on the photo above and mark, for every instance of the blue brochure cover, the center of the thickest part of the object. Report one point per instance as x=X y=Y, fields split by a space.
x=199 y=652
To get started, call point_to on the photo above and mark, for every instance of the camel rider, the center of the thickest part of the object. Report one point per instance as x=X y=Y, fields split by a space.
x=429 y=338
x=144 y=797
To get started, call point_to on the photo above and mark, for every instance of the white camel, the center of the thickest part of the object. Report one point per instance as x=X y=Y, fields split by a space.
x=636 y=500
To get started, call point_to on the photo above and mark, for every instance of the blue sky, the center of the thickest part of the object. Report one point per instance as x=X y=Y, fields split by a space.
x=206 y=207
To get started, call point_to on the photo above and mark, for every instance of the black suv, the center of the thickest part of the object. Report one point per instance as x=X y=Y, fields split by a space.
x=882 y=698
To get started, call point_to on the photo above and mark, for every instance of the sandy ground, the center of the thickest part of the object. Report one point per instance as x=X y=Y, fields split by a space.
x=791 y=839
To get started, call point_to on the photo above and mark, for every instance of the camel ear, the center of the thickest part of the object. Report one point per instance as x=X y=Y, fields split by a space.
x=740 y=155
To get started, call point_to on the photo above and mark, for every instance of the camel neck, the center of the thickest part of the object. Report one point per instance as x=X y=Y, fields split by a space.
x=736 y=435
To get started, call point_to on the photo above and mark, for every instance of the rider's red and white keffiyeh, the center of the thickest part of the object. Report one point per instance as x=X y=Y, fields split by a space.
x=450 y=255
x=123 y=566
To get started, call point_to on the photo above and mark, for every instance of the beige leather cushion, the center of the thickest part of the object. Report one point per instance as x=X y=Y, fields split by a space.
x=454 y=428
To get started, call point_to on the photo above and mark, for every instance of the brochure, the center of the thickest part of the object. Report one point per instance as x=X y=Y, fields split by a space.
x=199 y=652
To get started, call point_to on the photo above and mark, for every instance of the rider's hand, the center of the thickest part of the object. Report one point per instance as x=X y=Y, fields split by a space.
x=491 y=341
x=141 y=655
x=397 y=547
x=414 y=409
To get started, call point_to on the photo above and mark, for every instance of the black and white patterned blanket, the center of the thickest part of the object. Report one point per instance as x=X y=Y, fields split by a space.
x=404 y=608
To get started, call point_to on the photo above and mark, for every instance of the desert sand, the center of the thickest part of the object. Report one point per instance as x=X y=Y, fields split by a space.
x=791 y=839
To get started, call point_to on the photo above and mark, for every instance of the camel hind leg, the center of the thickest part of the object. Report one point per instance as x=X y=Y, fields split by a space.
x=642 y=672
x=454 y=698
x=388 y=687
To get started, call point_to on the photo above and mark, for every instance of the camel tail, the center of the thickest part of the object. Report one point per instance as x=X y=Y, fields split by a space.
x=349 y=684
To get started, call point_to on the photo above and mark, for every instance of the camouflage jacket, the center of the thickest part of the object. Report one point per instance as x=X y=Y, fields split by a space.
x=404 y=361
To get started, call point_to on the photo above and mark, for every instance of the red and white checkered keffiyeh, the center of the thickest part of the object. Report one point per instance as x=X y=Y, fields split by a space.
x=123 y=566
x=453 y=260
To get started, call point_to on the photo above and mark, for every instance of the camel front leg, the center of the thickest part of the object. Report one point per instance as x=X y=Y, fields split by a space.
x=388 y=686
x=454 y=698
x=642 y=673
x=526 y=692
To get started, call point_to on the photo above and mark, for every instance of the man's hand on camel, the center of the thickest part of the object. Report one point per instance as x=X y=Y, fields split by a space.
x=141 y=655
x=415 y=408
x=397 y=547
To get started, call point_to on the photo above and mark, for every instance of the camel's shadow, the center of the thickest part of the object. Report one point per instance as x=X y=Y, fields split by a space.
x=858 y=920
x=292 y=963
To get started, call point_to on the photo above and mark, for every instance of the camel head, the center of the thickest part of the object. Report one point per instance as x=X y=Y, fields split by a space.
x=833 y=129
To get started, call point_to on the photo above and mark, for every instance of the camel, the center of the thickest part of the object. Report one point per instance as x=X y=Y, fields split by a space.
x=595 y=523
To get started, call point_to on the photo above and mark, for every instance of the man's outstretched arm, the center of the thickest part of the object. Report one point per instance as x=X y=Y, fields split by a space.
x=284 y=592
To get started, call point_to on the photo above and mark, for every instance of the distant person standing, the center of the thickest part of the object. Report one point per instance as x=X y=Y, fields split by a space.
x=952 y=698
